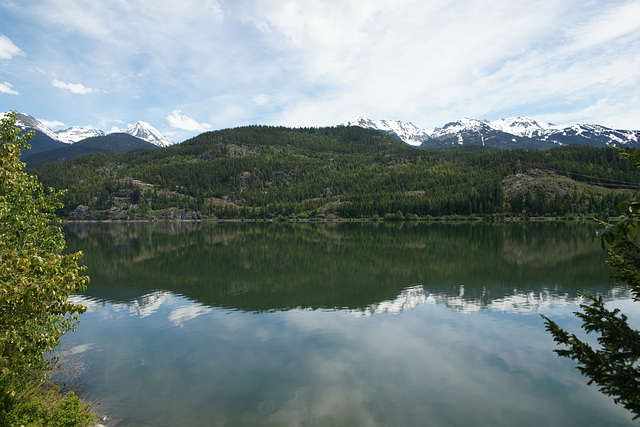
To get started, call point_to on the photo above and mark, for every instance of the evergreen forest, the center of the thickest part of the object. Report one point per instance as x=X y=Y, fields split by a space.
x=264 y=172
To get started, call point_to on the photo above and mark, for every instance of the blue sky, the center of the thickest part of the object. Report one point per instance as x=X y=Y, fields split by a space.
x=194 y=65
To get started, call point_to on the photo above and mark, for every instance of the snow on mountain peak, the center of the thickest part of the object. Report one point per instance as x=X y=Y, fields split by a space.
x=26 y=121
x=145 y=131
x=512 y=132
x=464 y=124
x=77 y=133
x=523 y=126
x=405 y=131
x=74 y=134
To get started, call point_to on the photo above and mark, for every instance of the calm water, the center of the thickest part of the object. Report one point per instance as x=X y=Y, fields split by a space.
x=332 y=325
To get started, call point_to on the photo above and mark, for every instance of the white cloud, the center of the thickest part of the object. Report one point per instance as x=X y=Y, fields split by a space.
x=431 y=62
x=607 y=112
x=611 y=24
x=213 y=10
x=77 y=88
x=135 y=23
x=7 y=88
x=184 y=313
x=7 y=49
x=408 y=59
x=114 y=125
x=180 y=121
x=261 y=99
x=51 y=123
x=320 y=62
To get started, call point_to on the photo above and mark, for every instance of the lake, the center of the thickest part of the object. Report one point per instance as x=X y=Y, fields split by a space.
x=403 y=324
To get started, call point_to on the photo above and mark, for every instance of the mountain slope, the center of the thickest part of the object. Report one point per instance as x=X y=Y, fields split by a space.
x=41 y=142
x=111 y=143
x=43 y=139
x=261 y=172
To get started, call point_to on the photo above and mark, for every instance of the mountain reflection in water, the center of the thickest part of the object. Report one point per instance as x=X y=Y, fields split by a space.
x=337 y=324
x=364 y=268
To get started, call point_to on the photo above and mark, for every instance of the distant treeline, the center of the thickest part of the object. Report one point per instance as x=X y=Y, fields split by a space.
x=265 y=172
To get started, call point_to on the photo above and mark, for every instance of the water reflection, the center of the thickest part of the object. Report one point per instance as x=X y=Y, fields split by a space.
x=408 y=299
x=351 y=324
x=364 y=268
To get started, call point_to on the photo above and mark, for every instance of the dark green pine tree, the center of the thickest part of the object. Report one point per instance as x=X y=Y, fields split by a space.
x=614 y=365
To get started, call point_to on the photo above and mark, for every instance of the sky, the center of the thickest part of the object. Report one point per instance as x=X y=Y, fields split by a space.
x=190 y=66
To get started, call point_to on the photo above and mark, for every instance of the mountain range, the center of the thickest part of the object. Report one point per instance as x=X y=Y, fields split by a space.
x=509 y=133
x=117 y=142
x=53 y=146
x=141 y=130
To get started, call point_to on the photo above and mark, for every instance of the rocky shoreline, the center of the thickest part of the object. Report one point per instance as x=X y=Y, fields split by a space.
x=85 y=213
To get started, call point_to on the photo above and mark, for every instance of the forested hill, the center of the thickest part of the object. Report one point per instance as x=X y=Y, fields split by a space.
x=260 y=172
x=341 y=139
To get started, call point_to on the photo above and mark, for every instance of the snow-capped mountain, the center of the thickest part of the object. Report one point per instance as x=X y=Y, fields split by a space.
x=594 y=135
x=513 y=132
x=25 y=121
x=523 y=126
x=403 y=131
x=77 y=133
x=463 y=125
x=145 y=131
x=74 y=134
x=481 y=132
x=459 y=129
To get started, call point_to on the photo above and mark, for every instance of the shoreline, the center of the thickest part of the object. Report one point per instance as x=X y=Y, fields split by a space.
x=338 y=220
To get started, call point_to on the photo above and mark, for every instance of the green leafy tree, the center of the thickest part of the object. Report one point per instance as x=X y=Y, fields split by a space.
x=36 y=277
x=614 y=365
